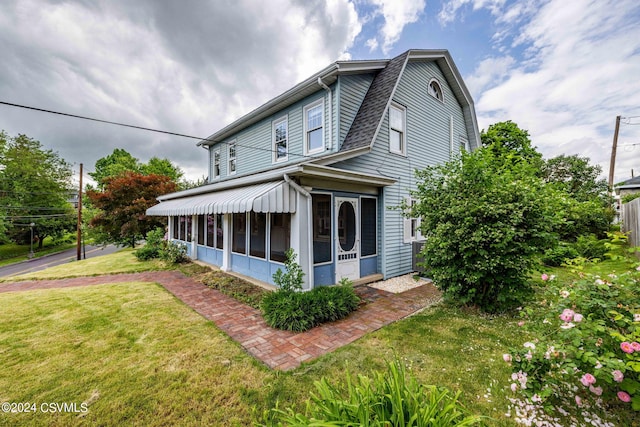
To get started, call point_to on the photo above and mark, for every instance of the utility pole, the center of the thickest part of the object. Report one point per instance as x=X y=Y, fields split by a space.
x=613 y=153
x=79 y=246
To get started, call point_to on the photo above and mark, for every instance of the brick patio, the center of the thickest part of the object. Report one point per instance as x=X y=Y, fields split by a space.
x=281 y=350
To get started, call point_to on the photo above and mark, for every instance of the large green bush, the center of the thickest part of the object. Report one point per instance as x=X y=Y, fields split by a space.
x=391 y=399
x=485 y=217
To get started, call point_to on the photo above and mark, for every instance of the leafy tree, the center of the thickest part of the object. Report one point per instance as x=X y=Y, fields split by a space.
x=493 y=216
x=35 y=186
x=577 y=177
x=115 y=164
x=588 y=208
x=505 y=138
x=122 y=206
x=158 y=166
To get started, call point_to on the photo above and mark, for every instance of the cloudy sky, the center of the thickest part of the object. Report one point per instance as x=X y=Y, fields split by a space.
x=561 y=69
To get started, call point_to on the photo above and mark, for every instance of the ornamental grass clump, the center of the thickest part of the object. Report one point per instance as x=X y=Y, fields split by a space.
x=289 y=308
x=587 y=354
x=390 y=399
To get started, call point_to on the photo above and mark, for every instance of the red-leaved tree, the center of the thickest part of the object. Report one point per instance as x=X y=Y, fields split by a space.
x=123 y=203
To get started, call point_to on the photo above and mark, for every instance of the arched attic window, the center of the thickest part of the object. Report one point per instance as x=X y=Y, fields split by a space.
x=435 y=90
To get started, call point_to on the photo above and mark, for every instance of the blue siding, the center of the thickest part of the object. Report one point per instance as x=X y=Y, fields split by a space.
x=368 y=266
x=210 y=255
x=352 y=92
x=428 y=143
x=324 y=275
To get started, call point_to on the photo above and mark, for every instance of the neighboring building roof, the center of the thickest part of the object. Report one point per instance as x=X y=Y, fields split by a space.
x=630 y=183
x=369 y=117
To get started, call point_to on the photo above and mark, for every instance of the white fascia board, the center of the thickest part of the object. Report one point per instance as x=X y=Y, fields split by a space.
x=336 y=174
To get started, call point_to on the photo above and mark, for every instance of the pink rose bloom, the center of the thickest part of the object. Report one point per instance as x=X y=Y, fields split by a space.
x=624 y=396
x=596 y=390
x=567 y=315
x=626 y=347
x=514 y=387
x=587 y=380
x=617 y=376
x=544 y=277
x=578 y=401
x=521 y=323
x=507 y=358
x=578 y=317
x=635 y=346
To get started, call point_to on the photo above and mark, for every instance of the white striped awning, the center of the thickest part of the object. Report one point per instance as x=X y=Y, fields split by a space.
x=273 y=197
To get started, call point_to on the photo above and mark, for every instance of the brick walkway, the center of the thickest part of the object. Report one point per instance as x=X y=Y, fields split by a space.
x=281 y=350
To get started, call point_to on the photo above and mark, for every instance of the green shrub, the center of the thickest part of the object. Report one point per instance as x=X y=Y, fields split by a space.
x=591 y=247
x=558 y=255
x=153 y=247
x=586 y=352
x=390 y=399
x=301 y=311
x=629 y=197
x=493 y=217
x=147 y=252
x=174 y=252
x=292 y=277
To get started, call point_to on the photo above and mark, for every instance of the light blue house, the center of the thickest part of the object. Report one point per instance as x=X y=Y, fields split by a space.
x=320 y=169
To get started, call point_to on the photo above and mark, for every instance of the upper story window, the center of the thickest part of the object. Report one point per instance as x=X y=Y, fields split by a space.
x=397 y=132
x=280 y=140
x=216 y=164
x=313 y=127
x=464 y=144
x=232 y=159
x=435 y=90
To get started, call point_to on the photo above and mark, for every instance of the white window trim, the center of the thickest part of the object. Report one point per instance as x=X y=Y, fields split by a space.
x=306 y=130
x=213 y=165
x=403 y=109
x=407 y=226
x=464 y=140
x=276 y=122
x=377 y=225
x=229 y=158
x=433 y=95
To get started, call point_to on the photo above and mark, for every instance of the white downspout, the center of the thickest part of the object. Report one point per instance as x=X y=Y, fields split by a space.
x=307 y=195
x=328 y=89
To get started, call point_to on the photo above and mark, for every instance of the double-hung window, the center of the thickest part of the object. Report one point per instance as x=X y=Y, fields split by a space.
x=232 y=159
x=216 y=164
x=313 y=127
x=280 y=139
x=397 y=133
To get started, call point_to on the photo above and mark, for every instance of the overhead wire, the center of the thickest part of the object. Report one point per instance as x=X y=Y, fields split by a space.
x=76 y=116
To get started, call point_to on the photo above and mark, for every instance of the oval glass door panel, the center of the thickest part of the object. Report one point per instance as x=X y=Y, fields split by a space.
x=347 y=226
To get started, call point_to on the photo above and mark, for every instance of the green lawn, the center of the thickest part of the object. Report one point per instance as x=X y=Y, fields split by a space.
x=11 y=253
x=138 y=356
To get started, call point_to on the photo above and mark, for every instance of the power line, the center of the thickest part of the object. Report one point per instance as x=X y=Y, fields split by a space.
x=10 y=104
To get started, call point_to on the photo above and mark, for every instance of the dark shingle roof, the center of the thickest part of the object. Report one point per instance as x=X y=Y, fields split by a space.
x=368 y=118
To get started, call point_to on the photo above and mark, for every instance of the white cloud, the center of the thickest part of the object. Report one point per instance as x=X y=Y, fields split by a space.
x=184 y=68
x=397 y=14
x=579 y=70
x=451 y=9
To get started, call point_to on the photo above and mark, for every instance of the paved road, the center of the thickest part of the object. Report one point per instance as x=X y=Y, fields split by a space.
x=47 y=261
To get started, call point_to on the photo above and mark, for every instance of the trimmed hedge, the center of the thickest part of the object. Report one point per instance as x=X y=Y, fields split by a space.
x=301 y=311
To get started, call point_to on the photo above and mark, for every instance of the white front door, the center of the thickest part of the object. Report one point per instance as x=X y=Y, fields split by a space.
x=348 y=239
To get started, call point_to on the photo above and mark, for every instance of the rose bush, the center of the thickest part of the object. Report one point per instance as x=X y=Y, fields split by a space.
x=588 y=348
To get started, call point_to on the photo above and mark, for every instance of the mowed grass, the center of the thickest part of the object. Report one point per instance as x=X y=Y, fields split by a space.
x=122 y=261
x=138 y=356
x=132 y=352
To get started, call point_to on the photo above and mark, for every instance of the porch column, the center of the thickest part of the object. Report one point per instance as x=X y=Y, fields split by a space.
x=302 y=238
x=226 y=242
x=194 y=237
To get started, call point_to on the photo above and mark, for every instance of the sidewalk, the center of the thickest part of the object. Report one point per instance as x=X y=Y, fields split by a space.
x=282 y=350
